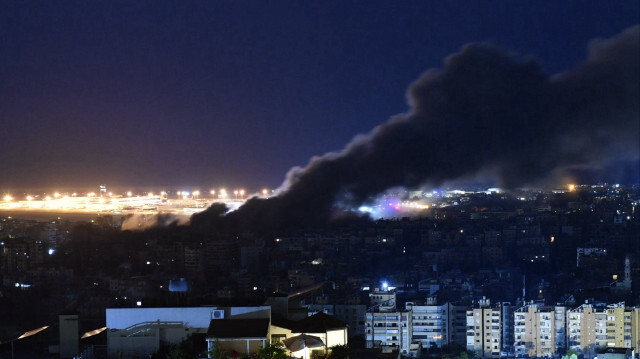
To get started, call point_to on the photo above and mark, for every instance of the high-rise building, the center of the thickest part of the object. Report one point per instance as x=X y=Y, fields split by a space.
x=586 y=327
x=591 y=328
x=484 y=330
x=635 y=328
x=429 y=324
x=388 y=329
x=457 y=328
x=385 y=326
x=507 y=328
x=539 y=331
x=618 y=326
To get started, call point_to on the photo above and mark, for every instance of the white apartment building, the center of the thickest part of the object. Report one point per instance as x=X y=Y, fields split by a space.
x=391 y=329
x=429 y=324
x=384 y=299
x=419 y=326
x=385 y=326
x=537 y=331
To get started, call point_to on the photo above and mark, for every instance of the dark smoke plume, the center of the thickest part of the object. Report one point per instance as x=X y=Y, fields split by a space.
x=486 y=111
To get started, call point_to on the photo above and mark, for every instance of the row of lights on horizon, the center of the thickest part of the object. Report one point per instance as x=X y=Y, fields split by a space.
x=9 y=198
x=222 y=194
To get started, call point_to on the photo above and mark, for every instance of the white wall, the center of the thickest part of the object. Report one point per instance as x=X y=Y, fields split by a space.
x=336 y=337
x=195 y=319
x=192 y=317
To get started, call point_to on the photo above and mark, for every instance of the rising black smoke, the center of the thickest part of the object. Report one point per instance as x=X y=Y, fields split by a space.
x=487 y=111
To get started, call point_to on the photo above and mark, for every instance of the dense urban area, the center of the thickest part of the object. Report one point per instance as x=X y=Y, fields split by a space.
x=528 y=273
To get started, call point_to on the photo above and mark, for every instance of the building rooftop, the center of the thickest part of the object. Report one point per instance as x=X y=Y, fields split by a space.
x=238 y=328
x=318 y=323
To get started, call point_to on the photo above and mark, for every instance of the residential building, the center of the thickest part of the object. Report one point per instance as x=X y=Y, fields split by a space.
x=539 y=331
x=141 y=331
x=586 y=327
x=618 y=326
x=457 y=327
x=484 y=330
x=388 y=329
x=429 y=324
x=331 y=330
x=635 y=328
x=508 y=341
x=238 y=336
x=384 y=299
x=352 y=314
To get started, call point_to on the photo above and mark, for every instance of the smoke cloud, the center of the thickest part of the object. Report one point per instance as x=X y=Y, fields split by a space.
x=140 y=222
x=486 y=111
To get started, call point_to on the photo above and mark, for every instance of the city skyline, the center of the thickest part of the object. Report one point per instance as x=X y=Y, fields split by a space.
x=168 y=94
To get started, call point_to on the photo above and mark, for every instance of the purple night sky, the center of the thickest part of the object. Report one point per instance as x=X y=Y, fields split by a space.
x=235 y=93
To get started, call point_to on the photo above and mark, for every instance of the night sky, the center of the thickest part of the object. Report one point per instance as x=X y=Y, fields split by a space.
x=235 y=93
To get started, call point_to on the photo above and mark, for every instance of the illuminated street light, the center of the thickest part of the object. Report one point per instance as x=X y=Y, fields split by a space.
x=33 y=332
x=223 y=193
x=29 y=198
x=8 y=198
x=265 y=192
x=212 y=192
x=129 y=194
x=27 y=334
x=93 y=332
x=241 y=193
x=56 y=195
x=236 y=193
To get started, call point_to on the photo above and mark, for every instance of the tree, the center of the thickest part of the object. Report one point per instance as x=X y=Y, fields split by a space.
x=215 y=352
x=571 y=354
x=186 y=349
x=467 y=354
x=339 y=352
x=454 y=351
x=274 y=350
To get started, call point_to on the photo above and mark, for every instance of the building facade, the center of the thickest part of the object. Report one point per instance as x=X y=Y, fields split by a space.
x=429 y=324
x=539 y=331
x=619 y=326
x=388 y=329
x=586 y=327
x=484 y=330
